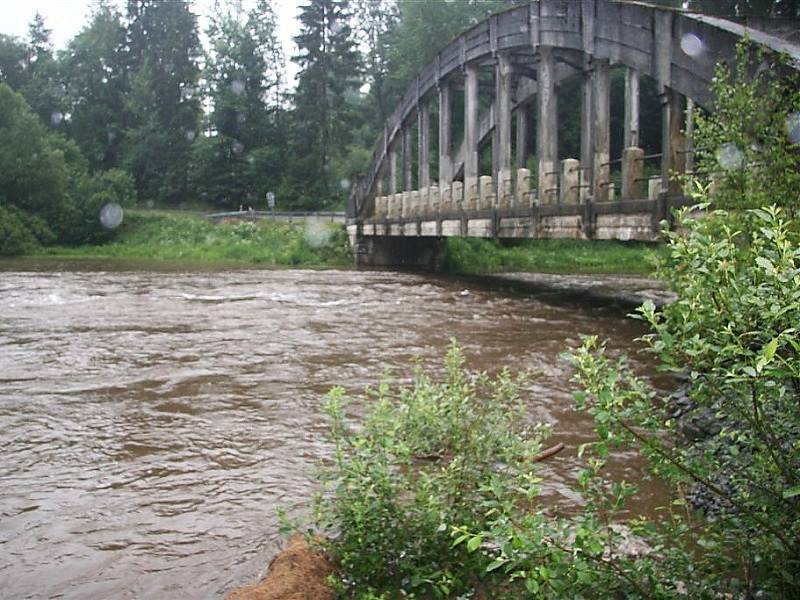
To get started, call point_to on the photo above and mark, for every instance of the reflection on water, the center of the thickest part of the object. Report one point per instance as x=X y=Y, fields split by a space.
x=151 y=422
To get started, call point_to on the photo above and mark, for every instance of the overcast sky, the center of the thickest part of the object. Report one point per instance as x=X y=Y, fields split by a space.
x=66 y=18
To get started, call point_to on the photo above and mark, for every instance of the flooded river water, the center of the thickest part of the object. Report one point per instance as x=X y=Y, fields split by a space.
x=151 y=422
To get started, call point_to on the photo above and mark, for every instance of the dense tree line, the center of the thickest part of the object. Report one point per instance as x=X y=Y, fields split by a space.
x=136 y=90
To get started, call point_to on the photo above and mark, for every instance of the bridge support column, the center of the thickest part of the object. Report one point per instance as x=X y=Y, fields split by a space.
x=522 y=137
x=631 y=128
x=547 y=126
x=471 y=127
x=407 y=159
x=445 y=134
x=602 y=131
x=413 y=252
x=587 y=128
x=632 y=173
x=392 y=170
x=689 y=135
x=503 y=126
x=424 y=141
x=673 y=142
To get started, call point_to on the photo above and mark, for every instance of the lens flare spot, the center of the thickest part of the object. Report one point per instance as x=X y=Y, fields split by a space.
x=691 y=45
x=111 y=215
x=237 y=87
x=56 y=117
x=793 y=127
x=237 y=147
x=317 y=234
x=729 y=156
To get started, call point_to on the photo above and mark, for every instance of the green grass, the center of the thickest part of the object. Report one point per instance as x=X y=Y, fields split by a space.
x=162 y=236
x=474 y=255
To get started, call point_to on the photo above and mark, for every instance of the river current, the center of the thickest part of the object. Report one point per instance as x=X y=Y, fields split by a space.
x=152 y=421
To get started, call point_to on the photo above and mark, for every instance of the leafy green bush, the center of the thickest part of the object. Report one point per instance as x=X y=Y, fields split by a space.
x=15 y=237
x=733 y=332
x=747 y=148
x=429 y=457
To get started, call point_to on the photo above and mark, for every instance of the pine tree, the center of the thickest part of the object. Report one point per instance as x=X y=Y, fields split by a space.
x=43 y=88
x=327 y=84
x=244 y=72
x=162 y=65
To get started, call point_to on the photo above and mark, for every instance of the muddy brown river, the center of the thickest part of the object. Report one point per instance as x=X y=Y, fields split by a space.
x=151 y=421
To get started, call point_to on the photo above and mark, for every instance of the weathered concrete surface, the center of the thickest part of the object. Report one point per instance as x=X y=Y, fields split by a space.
x=624 y=227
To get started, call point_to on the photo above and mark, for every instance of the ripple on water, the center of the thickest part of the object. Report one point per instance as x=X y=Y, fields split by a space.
x=151 y=423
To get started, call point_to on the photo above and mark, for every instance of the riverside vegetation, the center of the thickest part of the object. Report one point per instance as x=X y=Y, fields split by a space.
x=436 y=493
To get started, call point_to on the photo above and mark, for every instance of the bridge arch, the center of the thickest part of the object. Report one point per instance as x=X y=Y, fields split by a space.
x=529 y=51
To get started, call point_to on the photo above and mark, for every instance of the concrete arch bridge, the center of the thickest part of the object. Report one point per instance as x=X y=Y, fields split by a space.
x=508 y=69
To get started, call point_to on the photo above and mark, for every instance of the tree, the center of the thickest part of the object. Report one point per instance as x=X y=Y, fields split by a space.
x=43 y=88
x=244 y=72
x=13 y=61
x=94 y=74
x=375 y=26
x=327 y=84
x=163 y=51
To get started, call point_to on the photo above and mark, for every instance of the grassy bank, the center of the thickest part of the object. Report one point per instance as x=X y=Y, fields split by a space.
x=474 y=255
x=160 y=236
x=171 y=236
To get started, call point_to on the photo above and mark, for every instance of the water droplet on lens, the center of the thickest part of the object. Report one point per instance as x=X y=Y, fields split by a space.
x=190 y=135
x=56 y=117
x=729 y=156
x=691 y=45
x=111 y=215
x=344 y=183
x=241 y=118
x=793 y=127
x=237 y=147
x=317 y=234
x=187 y=92
x=237 y=86
x=150 y=204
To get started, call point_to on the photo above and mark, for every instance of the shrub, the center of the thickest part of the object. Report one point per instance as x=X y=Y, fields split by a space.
x=430 y=457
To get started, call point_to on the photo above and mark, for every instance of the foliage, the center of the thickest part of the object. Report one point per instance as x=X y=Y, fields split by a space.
x=749 y=150
x=44 y=178
x=15 y=237
x=162 y=101
x=326 y=86
x=429 y=457
x=475 y=255
x=733 y=331
x=153 y=235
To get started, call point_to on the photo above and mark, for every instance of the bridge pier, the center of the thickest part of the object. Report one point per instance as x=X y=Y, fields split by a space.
x=426 y=253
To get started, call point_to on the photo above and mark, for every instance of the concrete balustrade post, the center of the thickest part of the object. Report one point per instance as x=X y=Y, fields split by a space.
x=413 y=210
x=488 y=197
x=586 y=185
x=653 y=187
x=601 y=168
x=444 y=199
x=523 y=193
x=457 y=196
x=632 y=173
x=505 y=191
x=405 y=206
x=547 y=125
x=433 y=201
x=570 y=180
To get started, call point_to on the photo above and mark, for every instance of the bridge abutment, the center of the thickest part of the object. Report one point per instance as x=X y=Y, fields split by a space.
x=426 y=253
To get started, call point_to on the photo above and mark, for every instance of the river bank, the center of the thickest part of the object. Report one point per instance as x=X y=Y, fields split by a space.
x=170 y=236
